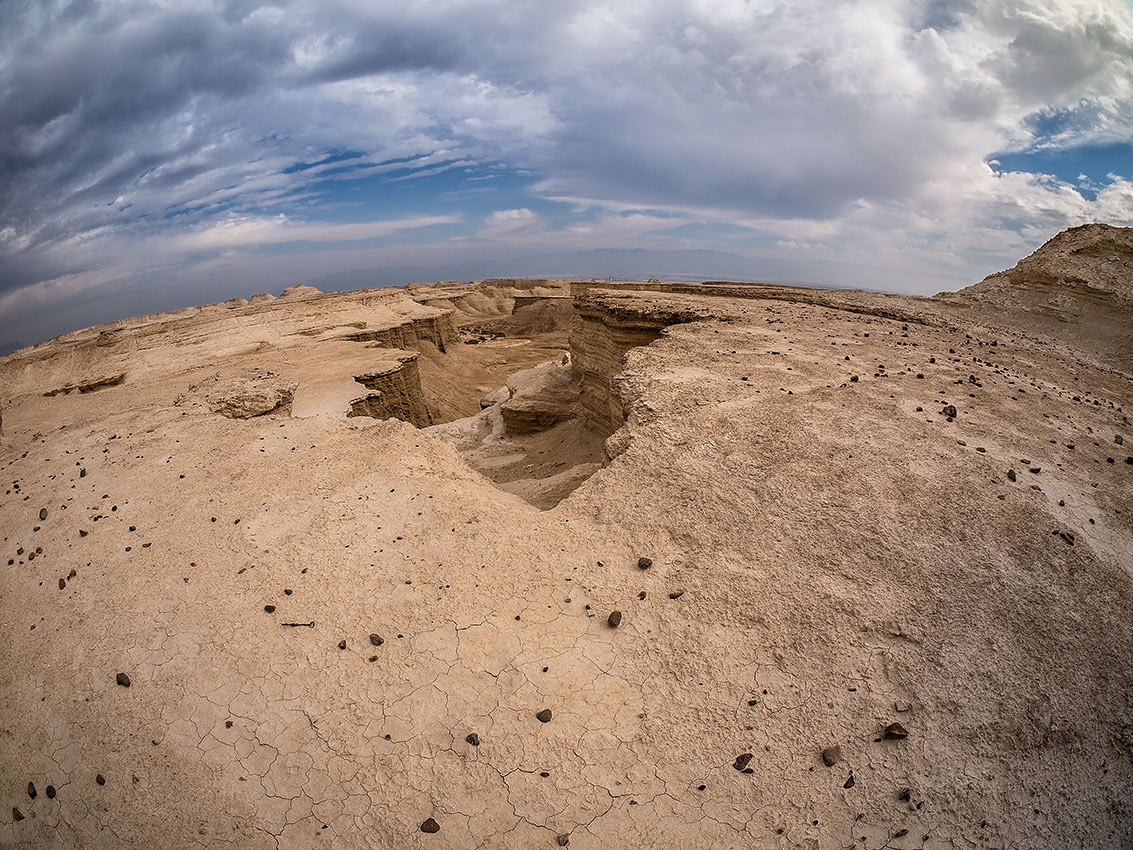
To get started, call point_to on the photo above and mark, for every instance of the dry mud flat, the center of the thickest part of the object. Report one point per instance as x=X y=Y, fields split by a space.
x=754 y=567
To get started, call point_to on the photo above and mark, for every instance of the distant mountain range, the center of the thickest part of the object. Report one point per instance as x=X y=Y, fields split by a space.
x=600 y=263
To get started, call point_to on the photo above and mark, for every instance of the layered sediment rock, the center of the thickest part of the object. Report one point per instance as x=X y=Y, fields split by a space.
x=396 y=394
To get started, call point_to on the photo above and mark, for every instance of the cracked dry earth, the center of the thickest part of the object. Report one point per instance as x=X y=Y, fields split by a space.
x=886 y=602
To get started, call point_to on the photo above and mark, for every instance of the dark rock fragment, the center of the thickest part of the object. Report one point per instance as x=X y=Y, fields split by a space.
x=644 y=563
x=544 y=716
x=895 y=732
x=676 y=594
x=849 y=783
x=377 y=640
x=270 y=609
x=43 y=513
x=31 y=790
x=831 y=755
x=615 y=619
x=430 y=826
x=342 y=644
x=123 y=680
x=1011 y=475
x=17 y=815
x=563 y=840
x=949 y=411
x=742 y=761
x=50 y=792
x=473 y=739
x=100 y=779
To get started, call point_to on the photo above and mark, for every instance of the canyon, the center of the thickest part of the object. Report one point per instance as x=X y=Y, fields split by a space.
x=524 y=563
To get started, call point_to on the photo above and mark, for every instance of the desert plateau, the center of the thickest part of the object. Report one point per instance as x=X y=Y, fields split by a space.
x=526 y=563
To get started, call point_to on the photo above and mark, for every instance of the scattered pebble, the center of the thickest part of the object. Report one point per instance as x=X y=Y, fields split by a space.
x=100 y=779
x=564 y=840
x=50 y=792
x=544 y=716
x=831 y=755
x=473 y=739
x=123 y=680
x=742 y=761
x=644 y=563
x=31 y=790
x=270 y=609
x=430 y=826
x=676 y=594
x=895 y=732
x=614 y=619
x=1011 y=475
x=377 y=640
x=342 y=644
x=43 y=513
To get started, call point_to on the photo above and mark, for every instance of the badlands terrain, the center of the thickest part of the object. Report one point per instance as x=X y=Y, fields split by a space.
x=527 y=564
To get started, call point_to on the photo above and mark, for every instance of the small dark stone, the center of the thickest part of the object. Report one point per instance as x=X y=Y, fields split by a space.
x=342 y=644
x=544 y=716
x=82 y=533
x=62 y=583
x=100 y=779
x=644 y=563
x=849 y=783
x=1067 y=537
x=377 y=640
x=31 y=790
x=123 y=680
x=473 y=739
x=43 y=513
x=564 y=840
x=949 y=411
x=1036 y=469
x=50 y=792
x=1118 y=439
x=895 y=732
x=83 y=472
x=270 y=609
x=614 y=619
x=742 y=761
x=1011 y=475
x=17 y=815
x=430 y=826
x=227 y=724
x=831 y=755
x=853 y=379
x=676 y=594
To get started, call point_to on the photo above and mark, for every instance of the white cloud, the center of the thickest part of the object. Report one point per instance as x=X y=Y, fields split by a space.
x=137 y=134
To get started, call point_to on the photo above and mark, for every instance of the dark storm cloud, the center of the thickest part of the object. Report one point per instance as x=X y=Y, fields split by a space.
x=827 y=125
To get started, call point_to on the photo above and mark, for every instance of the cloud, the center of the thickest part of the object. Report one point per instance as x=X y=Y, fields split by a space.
x=138 y=135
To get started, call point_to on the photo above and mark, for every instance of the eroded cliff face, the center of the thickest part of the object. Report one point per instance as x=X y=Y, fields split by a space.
x=395 y=393
x=439 y=330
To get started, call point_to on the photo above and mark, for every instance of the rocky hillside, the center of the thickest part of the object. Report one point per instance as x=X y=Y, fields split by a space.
x=1077 y=287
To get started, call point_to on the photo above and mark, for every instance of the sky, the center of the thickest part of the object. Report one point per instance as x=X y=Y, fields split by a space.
x=160 y=154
